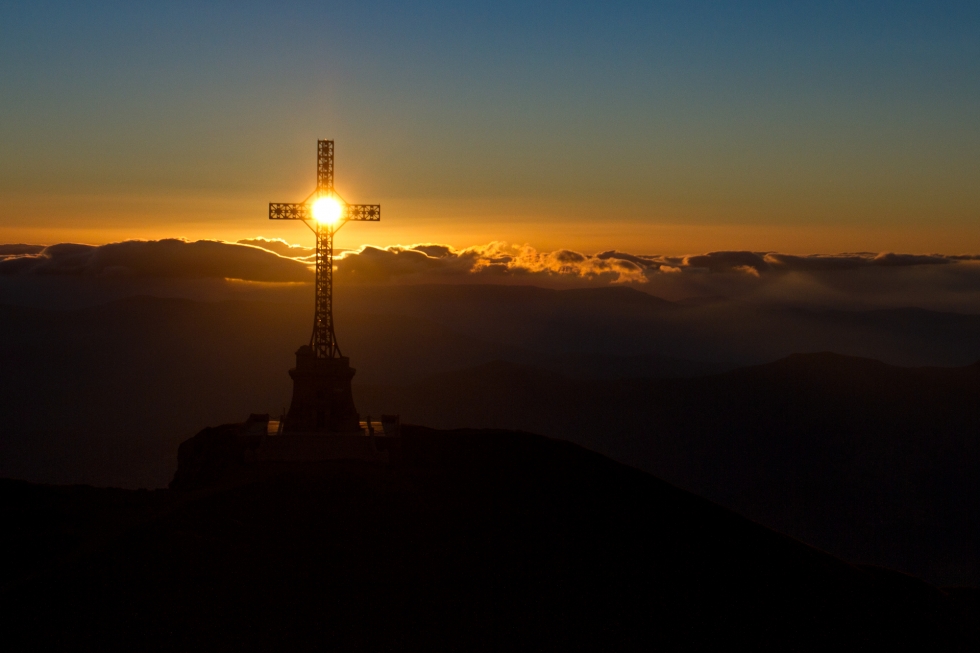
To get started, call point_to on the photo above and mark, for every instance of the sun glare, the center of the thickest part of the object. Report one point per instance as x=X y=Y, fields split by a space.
x=327 y=210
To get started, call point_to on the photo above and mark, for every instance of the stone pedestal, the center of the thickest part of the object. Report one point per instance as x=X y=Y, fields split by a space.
x=322 y=398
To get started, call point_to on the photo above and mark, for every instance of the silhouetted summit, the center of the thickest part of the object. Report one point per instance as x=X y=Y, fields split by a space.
x=472 y=540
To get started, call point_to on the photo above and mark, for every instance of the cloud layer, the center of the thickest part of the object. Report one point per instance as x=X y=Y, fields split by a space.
x=499 y=260
x=858 y=280
x=170 y=258
x=282 y=248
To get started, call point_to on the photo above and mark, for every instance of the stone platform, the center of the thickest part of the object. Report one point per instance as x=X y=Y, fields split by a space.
x=309 y=447
x=372 y=441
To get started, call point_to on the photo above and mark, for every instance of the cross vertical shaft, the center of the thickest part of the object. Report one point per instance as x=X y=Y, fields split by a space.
x=323 y=342
x=324 y=339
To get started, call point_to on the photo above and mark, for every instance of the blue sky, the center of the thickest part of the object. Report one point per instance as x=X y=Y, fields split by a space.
x=513 y=121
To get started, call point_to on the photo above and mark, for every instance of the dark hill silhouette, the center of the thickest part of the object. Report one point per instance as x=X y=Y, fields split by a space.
x=472 y=540
x=872 y=462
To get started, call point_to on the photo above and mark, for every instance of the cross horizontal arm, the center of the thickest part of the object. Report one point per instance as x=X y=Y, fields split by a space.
x=292 y=211
x=303 y=211
x=364 y=212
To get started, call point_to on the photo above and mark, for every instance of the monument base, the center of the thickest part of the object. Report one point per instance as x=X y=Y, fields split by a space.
x=309 y=447
x=322 y=399
x=372 y=442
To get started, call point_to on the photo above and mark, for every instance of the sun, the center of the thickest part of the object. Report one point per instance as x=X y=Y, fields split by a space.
x=327 y=210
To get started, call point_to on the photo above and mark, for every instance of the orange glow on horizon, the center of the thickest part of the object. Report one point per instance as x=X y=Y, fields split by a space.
x=98 y=219
x=635 y=238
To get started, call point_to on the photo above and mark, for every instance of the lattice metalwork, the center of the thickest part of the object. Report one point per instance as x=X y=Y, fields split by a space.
x=363 y=212
x=324 y=167
x=324 y=339
x=290 y=212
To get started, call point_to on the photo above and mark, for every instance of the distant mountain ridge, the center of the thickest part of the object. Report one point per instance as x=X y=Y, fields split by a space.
x=627 y=322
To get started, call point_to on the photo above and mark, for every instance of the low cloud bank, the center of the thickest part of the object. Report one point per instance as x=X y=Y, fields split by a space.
x=170 y=258
x=19 y=249
x=493 y=263
x=858 y=280
x=282 y=248
x=610 y=267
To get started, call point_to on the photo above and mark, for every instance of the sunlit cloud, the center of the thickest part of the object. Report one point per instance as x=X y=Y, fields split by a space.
x=280 y=247
x=170 y=258
x=495 y=262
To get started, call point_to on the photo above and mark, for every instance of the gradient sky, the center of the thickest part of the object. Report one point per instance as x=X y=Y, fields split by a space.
x=668 y=127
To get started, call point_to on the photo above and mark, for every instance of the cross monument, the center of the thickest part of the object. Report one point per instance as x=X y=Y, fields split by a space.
x=322 y=399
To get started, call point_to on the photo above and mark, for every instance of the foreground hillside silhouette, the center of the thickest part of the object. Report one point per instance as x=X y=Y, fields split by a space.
x=872 y=462
x=474 y=540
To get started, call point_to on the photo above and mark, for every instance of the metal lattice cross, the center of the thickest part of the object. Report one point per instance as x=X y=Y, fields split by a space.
x=338 y=213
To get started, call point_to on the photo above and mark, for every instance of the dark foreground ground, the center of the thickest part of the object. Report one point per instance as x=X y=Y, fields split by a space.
x=474 y=540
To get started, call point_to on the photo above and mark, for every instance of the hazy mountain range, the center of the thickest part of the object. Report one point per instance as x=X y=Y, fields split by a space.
x=869 y=461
